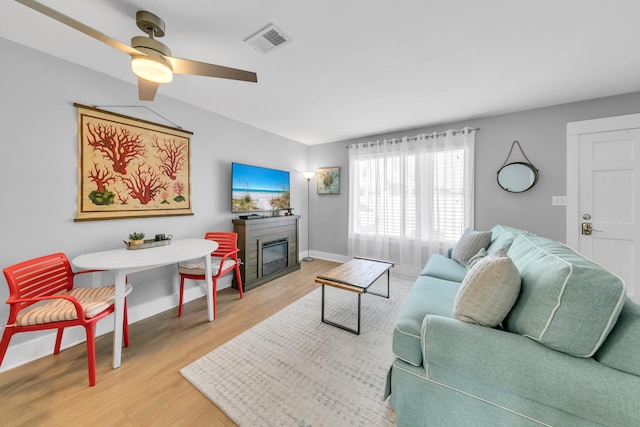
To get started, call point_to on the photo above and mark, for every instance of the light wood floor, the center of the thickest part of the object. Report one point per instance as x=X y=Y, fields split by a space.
x=147 y=390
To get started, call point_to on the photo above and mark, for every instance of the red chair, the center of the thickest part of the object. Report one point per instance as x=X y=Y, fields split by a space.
x=223 y=260
x=48 y=280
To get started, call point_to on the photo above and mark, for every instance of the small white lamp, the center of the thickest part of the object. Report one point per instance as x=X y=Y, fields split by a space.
x=308 y=176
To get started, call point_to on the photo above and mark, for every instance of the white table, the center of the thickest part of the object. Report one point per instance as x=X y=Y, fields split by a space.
x=126 y=261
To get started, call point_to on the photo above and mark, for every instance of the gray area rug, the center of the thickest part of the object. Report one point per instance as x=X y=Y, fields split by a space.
x=293 y=370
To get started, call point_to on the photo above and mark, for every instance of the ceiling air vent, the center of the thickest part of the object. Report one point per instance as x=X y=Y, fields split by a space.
x=268 y=39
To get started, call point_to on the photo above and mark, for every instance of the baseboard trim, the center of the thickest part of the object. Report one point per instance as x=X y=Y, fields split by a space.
x=326 y=256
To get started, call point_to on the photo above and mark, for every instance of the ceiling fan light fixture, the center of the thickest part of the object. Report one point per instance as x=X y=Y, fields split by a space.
x=151 y=60
x=153 y=65
x=155 y=70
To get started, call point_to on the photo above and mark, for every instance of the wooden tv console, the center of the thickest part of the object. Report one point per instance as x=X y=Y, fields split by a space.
x=253 y=235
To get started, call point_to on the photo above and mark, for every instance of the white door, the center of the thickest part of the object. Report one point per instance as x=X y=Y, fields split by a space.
x=603 y=204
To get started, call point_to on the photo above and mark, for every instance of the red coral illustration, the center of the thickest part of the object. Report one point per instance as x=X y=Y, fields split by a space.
x=144 y=184
x=101 y=177
x=178 y=188
x=123 y=197
x=116 y=144
x=171 y=154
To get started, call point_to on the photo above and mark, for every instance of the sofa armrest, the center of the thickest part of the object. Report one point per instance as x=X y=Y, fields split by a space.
x=458 y=353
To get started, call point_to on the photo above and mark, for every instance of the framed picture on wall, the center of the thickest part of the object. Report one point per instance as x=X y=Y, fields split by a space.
x=328 y=180
x=130 y=168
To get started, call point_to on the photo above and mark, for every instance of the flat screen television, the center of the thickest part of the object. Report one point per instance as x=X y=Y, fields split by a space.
x=258 y=189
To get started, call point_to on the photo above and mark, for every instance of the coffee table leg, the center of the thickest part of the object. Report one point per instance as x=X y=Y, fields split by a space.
x=388 y=288
x=337 y=325
x=359 y=304
x=322 y=318
x=388 y=284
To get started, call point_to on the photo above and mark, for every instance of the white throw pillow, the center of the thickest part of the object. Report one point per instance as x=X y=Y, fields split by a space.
x=488 y=291
x=469 y=245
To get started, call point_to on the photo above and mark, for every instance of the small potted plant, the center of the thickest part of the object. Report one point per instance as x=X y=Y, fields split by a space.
x=136 y=238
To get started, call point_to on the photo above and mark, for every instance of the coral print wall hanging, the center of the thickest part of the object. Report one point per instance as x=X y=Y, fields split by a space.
x=130 y=168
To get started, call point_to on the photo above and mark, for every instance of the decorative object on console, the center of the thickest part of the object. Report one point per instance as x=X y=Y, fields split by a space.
x=136 y=238
x=328 y=181
x=149 y=243
x=308 y=176
x=517 y=177
x=131 y=168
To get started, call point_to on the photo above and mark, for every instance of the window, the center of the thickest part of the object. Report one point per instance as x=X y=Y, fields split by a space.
x=416 y=192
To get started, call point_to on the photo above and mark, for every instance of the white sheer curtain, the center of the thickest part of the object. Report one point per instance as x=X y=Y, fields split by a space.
x=410 y=197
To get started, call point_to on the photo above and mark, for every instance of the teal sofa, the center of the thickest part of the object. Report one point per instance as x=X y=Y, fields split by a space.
x=567 y=353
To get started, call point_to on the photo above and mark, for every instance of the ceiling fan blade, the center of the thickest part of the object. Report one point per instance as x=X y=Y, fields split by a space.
x=146 y=89
x=45 y=10
x=187 y=66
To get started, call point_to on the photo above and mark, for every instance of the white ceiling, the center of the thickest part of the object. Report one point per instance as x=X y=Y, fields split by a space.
x=362 y=67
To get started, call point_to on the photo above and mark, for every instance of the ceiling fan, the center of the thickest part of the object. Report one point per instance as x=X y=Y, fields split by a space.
x=151 y=60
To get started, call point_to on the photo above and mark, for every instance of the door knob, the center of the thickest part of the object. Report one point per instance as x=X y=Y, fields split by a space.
x=587 y=228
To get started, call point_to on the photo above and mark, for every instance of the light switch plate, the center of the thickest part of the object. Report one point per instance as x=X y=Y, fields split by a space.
x=559 y=201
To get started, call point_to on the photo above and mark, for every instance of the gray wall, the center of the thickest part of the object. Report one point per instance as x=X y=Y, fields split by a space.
x=39 y=173
x=542 y=134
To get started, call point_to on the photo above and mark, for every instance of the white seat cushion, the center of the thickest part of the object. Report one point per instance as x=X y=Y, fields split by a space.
x=196 y=266
x=93 y=301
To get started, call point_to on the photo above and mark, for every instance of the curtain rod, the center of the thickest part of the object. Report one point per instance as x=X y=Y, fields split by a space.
x=415 y=138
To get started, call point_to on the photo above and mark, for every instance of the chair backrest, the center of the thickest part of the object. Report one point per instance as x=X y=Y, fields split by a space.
x=227 y=242
x=44 y=276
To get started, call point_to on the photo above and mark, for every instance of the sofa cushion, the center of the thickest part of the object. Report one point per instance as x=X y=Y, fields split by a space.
x=445 y=268
x=196 y=267
x=477 y=257
x=502 y=236
x=488 y=291
x=93 y=301
x=428 y=295
x=621 y=350
x=567 y=302
x=469 y=245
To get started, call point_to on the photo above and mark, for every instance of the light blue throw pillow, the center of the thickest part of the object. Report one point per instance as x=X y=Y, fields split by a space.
x=567 y=302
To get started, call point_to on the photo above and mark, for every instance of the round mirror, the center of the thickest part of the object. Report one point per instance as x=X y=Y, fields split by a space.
x=517 y=177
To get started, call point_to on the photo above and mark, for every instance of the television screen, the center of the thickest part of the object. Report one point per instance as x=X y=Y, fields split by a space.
x=258 y=189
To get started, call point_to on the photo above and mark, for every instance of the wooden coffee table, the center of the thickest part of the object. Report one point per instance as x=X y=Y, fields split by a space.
x=356 y=276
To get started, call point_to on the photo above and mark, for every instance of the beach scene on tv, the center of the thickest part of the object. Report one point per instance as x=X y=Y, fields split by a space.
x=259 y=189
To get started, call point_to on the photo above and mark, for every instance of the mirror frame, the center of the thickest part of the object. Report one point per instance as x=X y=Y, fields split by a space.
x=528 y=165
